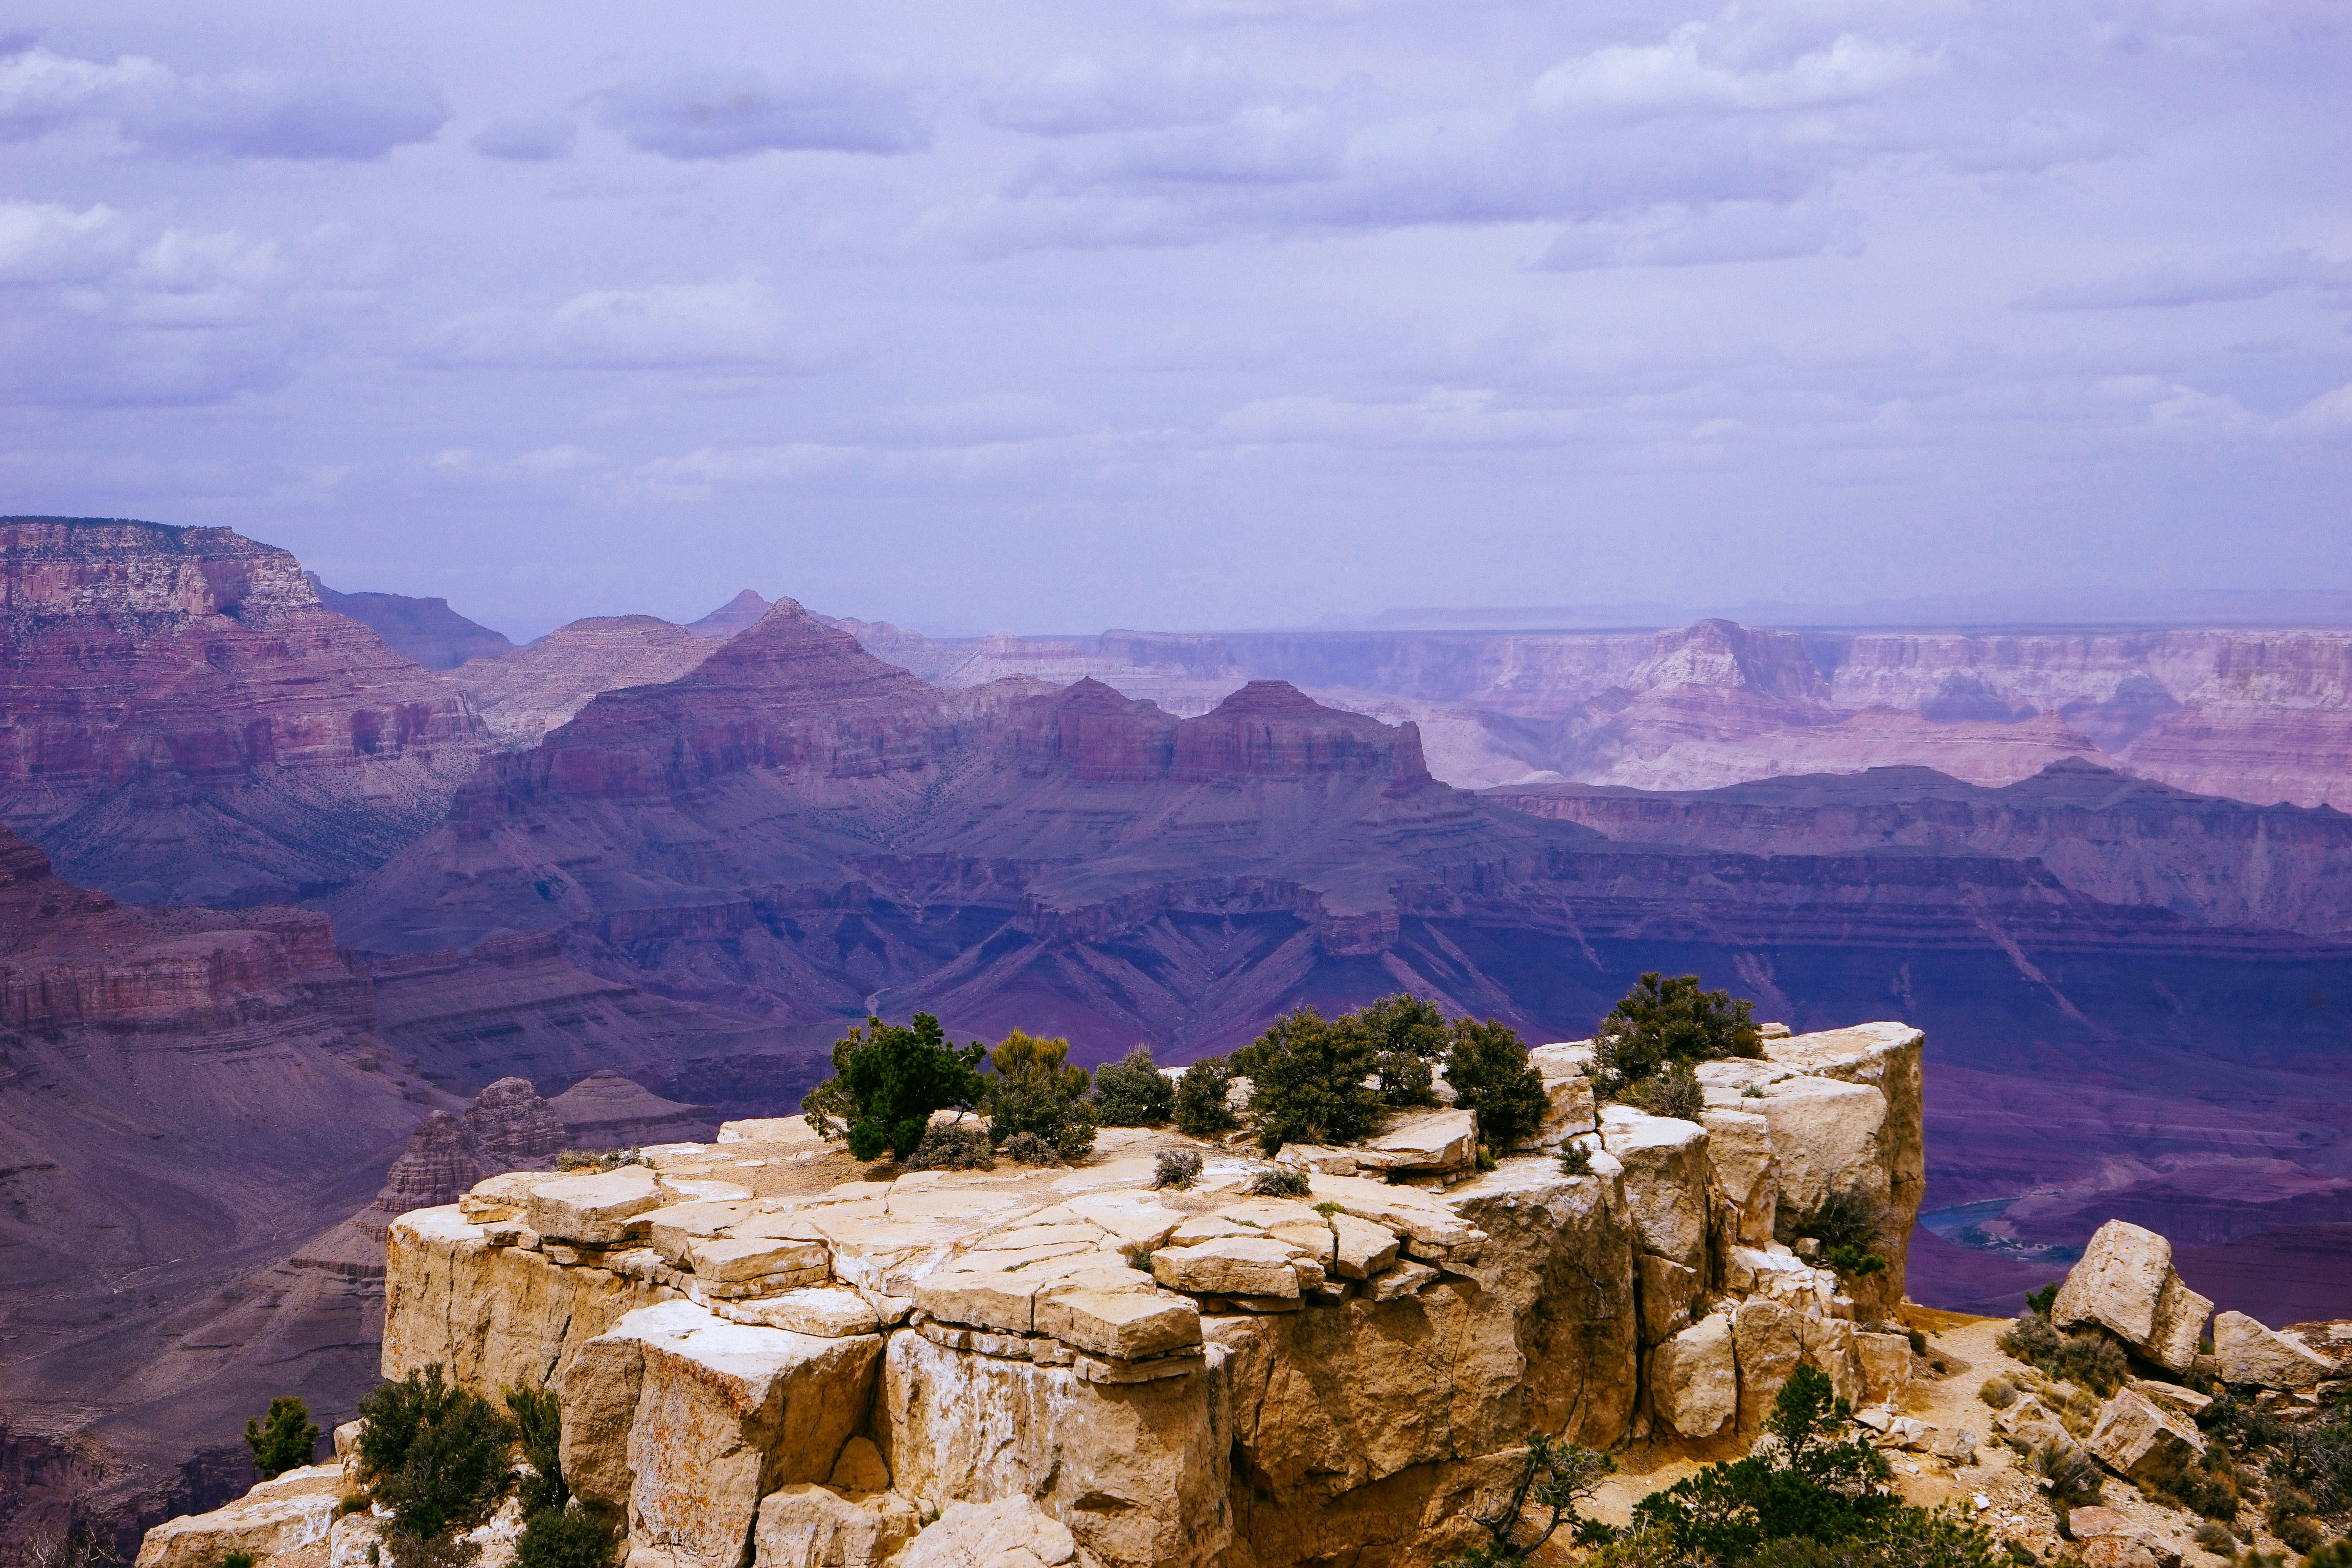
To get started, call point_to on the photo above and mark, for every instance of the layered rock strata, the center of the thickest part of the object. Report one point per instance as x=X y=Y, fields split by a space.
x=1171 y=1376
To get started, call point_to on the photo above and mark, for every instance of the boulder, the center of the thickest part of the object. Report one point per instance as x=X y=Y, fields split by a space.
x=1694 y=1380
x=2252 y=1354
x=284 y=1522
x=1229 y=1266
x=724 y=1414
x=1827 y=1137
x=1129 y=1325
x=802 y=1525
x=1665 y=1180
x=860 y=1469
x=1886 y=1362
x=1740 y=1148
x=2136 y=1440
x=593 y=1211
x=1569 y=1109
x=827 y=1312
x=1667 y=1290
x=2125 y=1283
x=1428 y=1141
x=1769 y=1341
x=1360 y=1249
x=1012 y=1532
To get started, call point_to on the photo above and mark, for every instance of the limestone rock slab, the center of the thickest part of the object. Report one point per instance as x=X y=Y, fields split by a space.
x=1665 y=1180
x=2136 y=1440
x=284 y=1522
x=2250 y=1353
x=596 y=1210
x=1012 y=1532
x=2125 y=1283
x=1747 y=1173
x=1668 y=1290
x=1428 y=1141
x=1230 y=1266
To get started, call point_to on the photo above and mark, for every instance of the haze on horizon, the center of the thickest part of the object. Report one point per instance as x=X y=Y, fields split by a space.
x=1196 y=313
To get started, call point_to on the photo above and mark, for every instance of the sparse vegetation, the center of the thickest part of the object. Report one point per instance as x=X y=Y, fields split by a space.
x=589 y=1162
x=1487 y=1067
x=2075 y=1480
x=2039 y=1302
x=1201 y=1110
x=1133 y=1092
x=1845 y=1225
x=1282 y=1182
x=1307 y=1081
x=283 y=1439
x=1034 y=1090
x=1178 y=1168
x=1575 y=1159
x=953 y=1146
x=433 y=1453
x=573 y=1538
x=1671 y=1091
x=1998 y=1393
x=2088 y=1358
x=886 y=1081
x=1028 y=1149
x=538 y=1424
x=1663 y=1024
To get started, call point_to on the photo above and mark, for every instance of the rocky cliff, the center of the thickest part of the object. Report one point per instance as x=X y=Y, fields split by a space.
x=181 y=718
x=523 y=694
x=1172 y=1376
x=426 y=630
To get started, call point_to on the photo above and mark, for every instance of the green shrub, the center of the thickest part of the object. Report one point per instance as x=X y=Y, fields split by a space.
x=1034 y=1089
x=1662 y=1023
x=1282 y=1182
x=2216 y=1539
x=1407 y=1034
x=1306 y=1079
x=1575 y=1159
x=886 y=1081
x=2316 y=1458
x=2336 y=1553
x=1201 y=1110
x=1178 y=1168
x=2039 y=1302
x=578 y=1539
x=539 y=1422
x=1028 y=1149
x=952 y=1146
x=1488 y=1069
x=282 y=1440
x=432 y=1453
x=2088 y=1358
x=1904 y=1538
x=238 y=1560
x=1553 y=1482
x=2074 y=1477
x=1671 y=1091
x=1133 y=1092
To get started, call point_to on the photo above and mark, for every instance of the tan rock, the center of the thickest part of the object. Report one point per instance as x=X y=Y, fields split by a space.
x=1771 y=1340
x=731 y=1260
x=724 y=1415
x=1126 y=1326
x=1428 y=1141
x=826 y=1311
x=1694 y=1380
x=1568 y=1110
x=2171 y=1394
x=284 y=1522
x=802 y=1525
x=674 y=1228
x=1747 y=1173
x=1012 y=1532
x=1229 y=1266
x=2136 y=1440
x=600 y=1210
x=2250 y=1353
x=1885 y=1362
x=1665 y=1180
x=503 y=1197
x=1360 y=1249
x=995 y=1299
x=860 y=1469
x=2125 y=1282
x=1421 y=1218
x=1667 y=1290
x=1400 y=1279
x=1827 y=1137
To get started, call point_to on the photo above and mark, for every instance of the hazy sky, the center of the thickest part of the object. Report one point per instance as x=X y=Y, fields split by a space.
x=1190 y=312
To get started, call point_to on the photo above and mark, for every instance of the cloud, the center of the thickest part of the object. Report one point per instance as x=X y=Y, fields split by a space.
x=715 y=113
x=246 y=114
x=666 y=326
x=545 y=462
x=1677 y=76
x=2168 y=285
x=1441 y=418
x=1079 y=97
x=528 y=138
x=1697 y=236
x=41 y=242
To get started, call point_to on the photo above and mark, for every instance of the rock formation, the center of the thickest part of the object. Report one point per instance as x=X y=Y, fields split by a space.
x=1161 y=1376
x=426 y=630
x=187 y=722
x=736 y=614
x=525 y=693
x=606 y=1111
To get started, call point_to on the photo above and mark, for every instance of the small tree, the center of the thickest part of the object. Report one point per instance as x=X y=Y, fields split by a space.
x=1408 y=1035
x=1555 y=1481
x=433 y=1453
x=1034 y=1089
x=1133 y=1092
x=1306 y=1079
x=886 y=1081
x=282 y=1440
x=1201 y=1109
x=576 y=1539
x=1489 y=1070
x=1670 y=1023
x=539 y=1419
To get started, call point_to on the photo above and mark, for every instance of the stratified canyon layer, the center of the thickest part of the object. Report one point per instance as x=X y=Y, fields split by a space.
x=524 y=694
x=426 y=630
x=185 y=721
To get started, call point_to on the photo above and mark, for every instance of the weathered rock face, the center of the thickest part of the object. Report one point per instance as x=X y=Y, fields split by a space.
x=1165 y=1376
x=189 y=724
x=2254 y=1356
x=524 y=693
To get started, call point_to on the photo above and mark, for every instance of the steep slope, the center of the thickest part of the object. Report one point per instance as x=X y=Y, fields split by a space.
x=736 y=614
x=426 y=630
x=524 y=694
x=186 y=722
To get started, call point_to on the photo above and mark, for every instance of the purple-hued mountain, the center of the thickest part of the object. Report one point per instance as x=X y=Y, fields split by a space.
x=426 y=630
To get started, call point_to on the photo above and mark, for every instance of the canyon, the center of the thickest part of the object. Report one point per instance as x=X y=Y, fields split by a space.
x=686 y=858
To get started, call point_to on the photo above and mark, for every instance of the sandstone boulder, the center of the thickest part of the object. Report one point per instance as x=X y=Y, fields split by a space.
x=1665 y=1180
x=860 y=1469
x=1827 y=1137
x=1694 y=1380
x=1360 y=1249
x=1739 y=1149
x=284 y=1522
x=802 y=1525
x=599 y=1210
x=1886 y=1362
x=1769 y=1341
x=2252 y=1354
x=1012 y=1532
x=2136 y=1440
x=1667 y=1290
x=722 y=1415
x=1428 y=1141
x=2125 y=1283
x=1127 y=1325
x=1230 y=1266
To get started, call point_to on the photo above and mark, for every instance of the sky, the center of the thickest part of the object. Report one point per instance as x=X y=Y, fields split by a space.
x=1190 y=313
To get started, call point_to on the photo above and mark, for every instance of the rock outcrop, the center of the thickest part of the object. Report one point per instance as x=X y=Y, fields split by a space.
x=2127 y=1285
x=524 y=693
x=187 y=722
x=1087 y=1366
x=426 y=630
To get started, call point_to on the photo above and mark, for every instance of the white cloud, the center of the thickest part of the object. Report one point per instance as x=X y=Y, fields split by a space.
x=2170 y=285
x=245 y=114
x=1697 y=236
x=1442 y=416
x=528 y=138
x=1081 y=97
x=1679 y=75
x=669 y=325
x=42 y=242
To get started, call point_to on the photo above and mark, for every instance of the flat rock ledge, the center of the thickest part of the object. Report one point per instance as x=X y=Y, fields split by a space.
x=1102 y=1371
